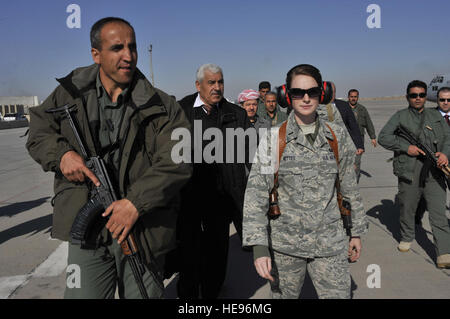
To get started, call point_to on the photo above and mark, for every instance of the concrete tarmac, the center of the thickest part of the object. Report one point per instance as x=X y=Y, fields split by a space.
x=33 y=265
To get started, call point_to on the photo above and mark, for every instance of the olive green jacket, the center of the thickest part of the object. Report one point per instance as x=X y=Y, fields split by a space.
x=147 y=175
x=434 y=132
x=364 y=121
x=281 y=116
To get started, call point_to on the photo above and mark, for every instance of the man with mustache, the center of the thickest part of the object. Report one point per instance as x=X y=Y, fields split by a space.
x=273 y=112
x=215 y=194
x=128 y=123
x=416 y=175
x=365 y=123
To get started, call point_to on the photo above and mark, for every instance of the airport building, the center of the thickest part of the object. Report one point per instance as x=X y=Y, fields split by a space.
x=17 y=104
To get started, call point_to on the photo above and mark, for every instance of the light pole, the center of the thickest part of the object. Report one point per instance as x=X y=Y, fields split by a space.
x=151 y=65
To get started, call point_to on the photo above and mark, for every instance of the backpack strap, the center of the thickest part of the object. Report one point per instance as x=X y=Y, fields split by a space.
x=281 y=147
x=330 y=113
x=274 y=209
x=343 y=208
x=334 y=144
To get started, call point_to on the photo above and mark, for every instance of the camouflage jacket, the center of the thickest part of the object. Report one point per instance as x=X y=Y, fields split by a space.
x=336 y=115
x=310 y=224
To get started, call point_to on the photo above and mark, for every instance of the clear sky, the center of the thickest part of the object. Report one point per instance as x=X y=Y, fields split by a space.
x=251 y=40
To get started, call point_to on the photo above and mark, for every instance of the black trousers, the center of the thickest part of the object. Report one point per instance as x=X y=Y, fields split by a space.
x=203 y=233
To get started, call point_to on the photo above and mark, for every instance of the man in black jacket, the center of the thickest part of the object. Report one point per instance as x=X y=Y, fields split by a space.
x=349 y=120
x=214 y=196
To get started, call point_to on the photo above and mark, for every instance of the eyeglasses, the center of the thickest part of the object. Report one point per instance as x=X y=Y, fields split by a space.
x=444 y=100
x=415 y=95
x=297 y=93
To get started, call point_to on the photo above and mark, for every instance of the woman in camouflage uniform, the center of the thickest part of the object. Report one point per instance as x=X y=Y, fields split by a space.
x=309 y=233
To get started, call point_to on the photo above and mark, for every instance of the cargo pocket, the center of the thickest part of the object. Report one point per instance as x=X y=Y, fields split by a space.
x=291 y=182
x=434 y=135
x=399 y=165
x=329 y=173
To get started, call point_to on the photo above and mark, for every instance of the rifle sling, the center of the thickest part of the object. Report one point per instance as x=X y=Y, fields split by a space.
x=281 y=146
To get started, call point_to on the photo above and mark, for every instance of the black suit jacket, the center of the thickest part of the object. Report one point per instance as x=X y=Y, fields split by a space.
x=350 y=122
x=437 y=108
x=232 y=175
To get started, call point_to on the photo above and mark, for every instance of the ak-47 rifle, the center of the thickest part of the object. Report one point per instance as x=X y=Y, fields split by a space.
x=404 y=133
x=89 y=222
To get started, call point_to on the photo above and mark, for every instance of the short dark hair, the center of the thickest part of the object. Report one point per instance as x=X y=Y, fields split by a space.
x=352 y=90
x=96 y=41
x=443 y=89
x=264 y=85
x=304 y=69
x=271 y=93
x=416 y=84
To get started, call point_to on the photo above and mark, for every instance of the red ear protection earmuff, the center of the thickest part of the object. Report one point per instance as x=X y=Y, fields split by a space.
x=287 y=95
x=322 y=96
x=327 y=93
x=283 y=97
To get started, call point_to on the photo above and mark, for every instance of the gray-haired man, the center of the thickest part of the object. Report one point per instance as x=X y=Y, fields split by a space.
x=215 y=194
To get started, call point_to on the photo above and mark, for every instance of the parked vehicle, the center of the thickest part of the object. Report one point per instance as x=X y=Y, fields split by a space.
x=14 y=117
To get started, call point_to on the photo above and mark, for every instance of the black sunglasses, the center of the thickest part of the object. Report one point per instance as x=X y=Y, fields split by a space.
x=443 y=100
x=415 y=95
x=297 y=93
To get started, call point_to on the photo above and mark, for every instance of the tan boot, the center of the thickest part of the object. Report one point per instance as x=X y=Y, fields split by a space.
x=404 y=246
x=443 y=261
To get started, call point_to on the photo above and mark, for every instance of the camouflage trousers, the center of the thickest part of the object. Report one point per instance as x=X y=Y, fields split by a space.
x=330 y=276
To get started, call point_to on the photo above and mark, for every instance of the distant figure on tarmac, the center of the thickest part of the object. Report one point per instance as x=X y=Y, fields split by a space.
x=263 y=88
x=364 y=122
x=349 y=119
x=416 y=175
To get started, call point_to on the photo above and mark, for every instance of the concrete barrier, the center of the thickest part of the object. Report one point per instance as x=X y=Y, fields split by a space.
x=13 y=124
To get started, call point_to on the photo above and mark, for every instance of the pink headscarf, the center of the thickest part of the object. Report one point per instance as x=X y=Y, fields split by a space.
x=248 y=95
